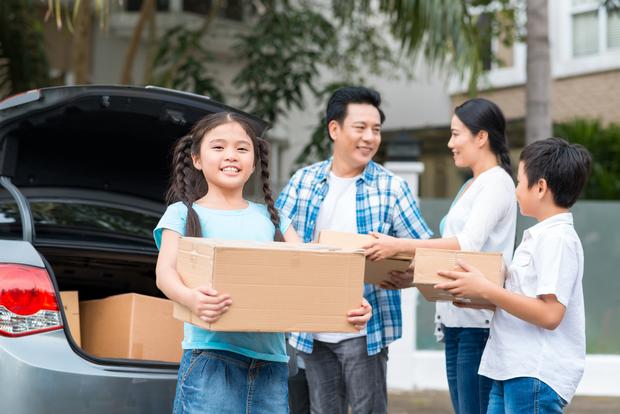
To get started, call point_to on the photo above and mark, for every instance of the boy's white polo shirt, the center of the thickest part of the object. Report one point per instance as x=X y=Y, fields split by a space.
x=549 y=260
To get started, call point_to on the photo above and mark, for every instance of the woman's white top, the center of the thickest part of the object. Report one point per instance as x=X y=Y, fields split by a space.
x=549 y=261
x=483 y=218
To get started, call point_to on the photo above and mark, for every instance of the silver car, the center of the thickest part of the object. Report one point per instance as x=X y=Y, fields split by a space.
x=83 y=172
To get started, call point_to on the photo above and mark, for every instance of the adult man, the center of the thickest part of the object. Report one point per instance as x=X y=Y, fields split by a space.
x=349 y=192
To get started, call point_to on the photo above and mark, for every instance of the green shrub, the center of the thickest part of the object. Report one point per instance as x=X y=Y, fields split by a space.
x=604 y=145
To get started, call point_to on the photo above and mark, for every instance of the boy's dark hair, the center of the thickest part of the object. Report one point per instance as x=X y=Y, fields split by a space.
x=564 y=166
x=339 y=101
x=480 y=114
x=187 y=184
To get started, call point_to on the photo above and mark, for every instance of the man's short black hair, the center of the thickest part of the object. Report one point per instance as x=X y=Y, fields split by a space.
x=564 y=166
x=337 y=104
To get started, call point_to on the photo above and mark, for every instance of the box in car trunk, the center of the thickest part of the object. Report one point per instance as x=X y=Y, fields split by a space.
x=274 y=287
x=131 y=326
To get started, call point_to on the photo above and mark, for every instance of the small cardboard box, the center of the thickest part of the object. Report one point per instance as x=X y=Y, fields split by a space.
x=429 y=261
x=274 y=287
x=131 y=326
x=376 y=272
x=71 y=307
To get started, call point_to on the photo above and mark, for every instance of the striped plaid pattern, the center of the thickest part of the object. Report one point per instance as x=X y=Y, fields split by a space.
x=384 y=204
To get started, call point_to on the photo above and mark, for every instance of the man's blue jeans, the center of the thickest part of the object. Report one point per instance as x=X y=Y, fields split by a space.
x=213 y=381
x=524 y=396
x=469 y=391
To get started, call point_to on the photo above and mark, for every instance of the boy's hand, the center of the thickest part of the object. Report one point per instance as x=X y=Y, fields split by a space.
x=473 y=306
x=207 y=304
x=468 y=284
x=359 y=317
x=382 y=247
x=399 y=280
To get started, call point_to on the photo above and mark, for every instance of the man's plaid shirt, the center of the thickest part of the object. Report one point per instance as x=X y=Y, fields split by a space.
x=384 y=204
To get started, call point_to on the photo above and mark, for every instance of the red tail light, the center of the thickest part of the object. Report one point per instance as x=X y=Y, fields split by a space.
x=27 y=301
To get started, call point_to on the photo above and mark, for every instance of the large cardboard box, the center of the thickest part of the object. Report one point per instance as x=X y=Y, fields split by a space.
x=71 y=305
x=131 y=326
x=275 y=287
x=376 y=272
x=429 y=261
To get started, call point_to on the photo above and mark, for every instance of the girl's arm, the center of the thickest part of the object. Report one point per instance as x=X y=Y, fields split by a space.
x=544 y=311
x=357 y=317
x=384 y=246
x=203 y=300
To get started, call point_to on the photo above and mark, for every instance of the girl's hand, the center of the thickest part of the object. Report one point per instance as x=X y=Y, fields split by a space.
x=468 y=284
x=207 y=304
x=382 y=247
x=359 y=317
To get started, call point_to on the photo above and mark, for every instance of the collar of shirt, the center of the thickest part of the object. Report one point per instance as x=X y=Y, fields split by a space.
x=539 y=228
x=369 y=174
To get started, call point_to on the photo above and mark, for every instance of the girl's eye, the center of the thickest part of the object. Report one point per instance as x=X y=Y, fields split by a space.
x=242 y=149
x=217 y=147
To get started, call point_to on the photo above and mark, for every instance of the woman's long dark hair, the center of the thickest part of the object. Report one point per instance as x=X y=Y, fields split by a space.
x=480 y=114
x=187 y=184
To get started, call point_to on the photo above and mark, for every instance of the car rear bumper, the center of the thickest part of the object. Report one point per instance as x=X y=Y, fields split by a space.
x=43 y=374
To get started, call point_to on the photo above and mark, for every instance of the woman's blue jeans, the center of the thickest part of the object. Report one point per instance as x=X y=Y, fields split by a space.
x=524 y=396
x=469 y=391
x=212 y=381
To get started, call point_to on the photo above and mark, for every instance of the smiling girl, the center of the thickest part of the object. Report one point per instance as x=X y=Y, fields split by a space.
x=224 y=372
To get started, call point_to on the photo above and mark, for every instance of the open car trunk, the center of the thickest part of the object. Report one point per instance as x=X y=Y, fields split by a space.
x=94 y=163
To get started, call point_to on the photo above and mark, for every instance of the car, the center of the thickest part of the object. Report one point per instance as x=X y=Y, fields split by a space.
x=83 y=174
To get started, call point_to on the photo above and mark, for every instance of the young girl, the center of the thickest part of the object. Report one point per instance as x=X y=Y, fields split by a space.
x=224 y=371
x=482 y=218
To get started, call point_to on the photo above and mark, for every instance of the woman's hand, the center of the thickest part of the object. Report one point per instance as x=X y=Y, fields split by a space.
x=382 y=247
x=207 y=304
x=359 y=317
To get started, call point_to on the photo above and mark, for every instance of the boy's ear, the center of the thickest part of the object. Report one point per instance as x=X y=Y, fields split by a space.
x=196 y=162
x=542 y=188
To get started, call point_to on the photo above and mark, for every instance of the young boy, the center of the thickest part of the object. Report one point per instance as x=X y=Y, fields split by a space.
x=536 y=348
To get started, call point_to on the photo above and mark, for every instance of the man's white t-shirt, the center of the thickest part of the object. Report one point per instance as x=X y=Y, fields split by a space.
x=549 y=261
x=338 y=212
x=484 y=219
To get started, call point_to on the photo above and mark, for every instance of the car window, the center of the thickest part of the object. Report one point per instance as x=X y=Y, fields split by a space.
x=80 y=221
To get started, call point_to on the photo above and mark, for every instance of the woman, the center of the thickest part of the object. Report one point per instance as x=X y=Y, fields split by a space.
x=482 y=218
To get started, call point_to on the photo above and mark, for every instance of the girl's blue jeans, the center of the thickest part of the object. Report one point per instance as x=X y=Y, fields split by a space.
x=212 y=381
x=524 y=395
x=469 y=391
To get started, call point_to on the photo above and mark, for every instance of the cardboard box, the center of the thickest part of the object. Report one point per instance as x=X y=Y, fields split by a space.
x=429 y=261
x=376 y=272
x=275 y=287
x=71 y=307
x=131 y=326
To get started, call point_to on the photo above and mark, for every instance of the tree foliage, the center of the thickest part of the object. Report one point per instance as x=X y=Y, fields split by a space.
x=23 y=64
x=603 y=142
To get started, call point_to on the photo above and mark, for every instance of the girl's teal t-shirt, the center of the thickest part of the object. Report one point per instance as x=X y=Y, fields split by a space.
x=251 y=223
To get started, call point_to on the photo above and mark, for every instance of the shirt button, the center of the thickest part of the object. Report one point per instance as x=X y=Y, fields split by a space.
x=487 y=321
x=439 y=329
x=438 y=316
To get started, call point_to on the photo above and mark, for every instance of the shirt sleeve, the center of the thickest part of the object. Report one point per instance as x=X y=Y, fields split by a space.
x=557 y=267
x=173 y=219
x=407 y=220
x=285 y=222
x=488 y=209
x=287 y=200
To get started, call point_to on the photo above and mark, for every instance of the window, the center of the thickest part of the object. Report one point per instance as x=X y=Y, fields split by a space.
x=230 y=9
x=596 y=28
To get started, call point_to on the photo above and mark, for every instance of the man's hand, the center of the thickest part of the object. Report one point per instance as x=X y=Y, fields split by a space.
x=399 y=280
x=359 y=317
